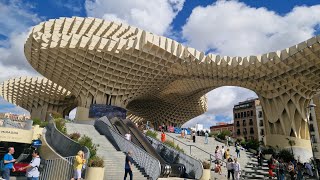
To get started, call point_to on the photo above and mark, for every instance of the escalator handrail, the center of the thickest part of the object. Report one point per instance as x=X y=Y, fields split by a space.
x=145 y=160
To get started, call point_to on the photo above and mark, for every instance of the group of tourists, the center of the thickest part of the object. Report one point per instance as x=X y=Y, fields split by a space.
x=32 y=169
x=280 y=169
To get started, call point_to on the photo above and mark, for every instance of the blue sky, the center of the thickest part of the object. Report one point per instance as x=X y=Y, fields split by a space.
x=235 y=28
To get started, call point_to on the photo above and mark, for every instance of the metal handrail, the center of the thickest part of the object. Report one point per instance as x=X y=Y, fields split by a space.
x=190 y=146
x=194 y=167
x=146 y=161
x=58 y=169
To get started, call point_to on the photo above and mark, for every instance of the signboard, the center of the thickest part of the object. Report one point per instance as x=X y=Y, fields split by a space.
x=243 y=106
x=100 y=110
x=16 y=135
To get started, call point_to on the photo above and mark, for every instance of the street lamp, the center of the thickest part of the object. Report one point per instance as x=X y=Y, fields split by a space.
x=313 y=156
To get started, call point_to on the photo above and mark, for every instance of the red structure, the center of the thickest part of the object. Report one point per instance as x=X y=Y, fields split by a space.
x=221 y=127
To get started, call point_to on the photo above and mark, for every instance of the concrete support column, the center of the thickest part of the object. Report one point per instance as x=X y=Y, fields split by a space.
x=82 y=114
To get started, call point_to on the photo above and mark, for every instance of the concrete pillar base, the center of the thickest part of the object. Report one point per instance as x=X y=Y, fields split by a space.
x=82 y=114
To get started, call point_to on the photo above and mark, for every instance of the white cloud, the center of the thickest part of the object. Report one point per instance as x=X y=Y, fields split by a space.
x=206 y=119
x=155 y=16
x=232 y=28
x=8 y=107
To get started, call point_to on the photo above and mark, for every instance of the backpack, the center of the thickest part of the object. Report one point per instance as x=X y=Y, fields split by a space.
x=42 y=165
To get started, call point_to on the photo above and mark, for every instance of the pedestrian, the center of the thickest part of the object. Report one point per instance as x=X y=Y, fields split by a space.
x=227 y=154
x=128 y=136
x=182 y=133
x=77 y=166
x=282 y=168
x=238 y=151
x=291 y=171
x=237 y=169
x=8 y=161
x=33 y=168
x=206 y=137
x=259 y=157
x=222 y=152
x=230 y=167
x=217 y=167
x=163 y=136
x=185 y=133
x=128 y=166
x=309 y=169
x=299 y=171
x=217 y=153
x=194 y=136
x=271 y=167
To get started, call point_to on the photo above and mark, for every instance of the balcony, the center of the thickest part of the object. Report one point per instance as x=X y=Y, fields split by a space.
x=238 y=125
x=238 y=133
x=244 y=124
x=245 y=132
x=251 y=123
x=251 y=132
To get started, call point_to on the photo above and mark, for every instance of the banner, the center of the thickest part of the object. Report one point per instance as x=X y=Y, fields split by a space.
x=16 y=135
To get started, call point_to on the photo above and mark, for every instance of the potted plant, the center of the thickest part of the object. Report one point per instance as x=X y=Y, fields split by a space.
x=206 y=175
x=95 y=169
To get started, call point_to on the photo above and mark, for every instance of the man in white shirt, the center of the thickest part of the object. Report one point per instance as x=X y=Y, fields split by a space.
x=33 y=168
x=222 y=152
x=237 y=169
x=128 y=136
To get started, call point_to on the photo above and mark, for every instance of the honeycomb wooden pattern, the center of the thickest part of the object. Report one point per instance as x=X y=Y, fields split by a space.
x=161 y=80
x=37 y=95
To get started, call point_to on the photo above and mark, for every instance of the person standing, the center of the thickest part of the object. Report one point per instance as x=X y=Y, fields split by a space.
x=282 y=168
x=238 y=151
x=227 y=154
x=259 y=157
x=33 y=168
x=291 y=171
x=8 y=161
x=206 y=137
x=222 y=152
x=185 y=133
x=230 y=168
x=237 y=169
x=217 y=154
x=194 y=137
x=128 y=136
x=128 y=166
x=163 y=137
x=78 y=164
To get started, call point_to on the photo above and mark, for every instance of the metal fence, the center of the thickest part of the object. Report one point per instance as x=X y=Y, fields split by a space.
x=150 y=164
x=55 y=169
x=194 y=167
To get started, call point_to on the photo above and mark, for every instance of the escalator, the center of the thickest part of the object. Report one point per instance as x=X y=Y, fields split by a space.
x=124 y=126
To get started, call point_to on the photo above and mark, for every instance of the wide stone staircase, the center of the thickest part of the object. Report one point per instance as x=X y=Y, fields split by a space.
x=253 y=171
x=113 y=160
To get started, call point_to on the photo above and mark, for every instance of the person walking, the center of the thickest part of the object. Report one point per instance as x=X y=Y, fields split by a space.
x=206 y=137
x=222 y=152
x=128 y=136
x=282 y=169
x=259 y=157
x=8 y=161
x=237 y=169
x=238 y=151
x=291 y=171
x=217 y=153
x=78 y=164
x=230 y=168
x=163 y=137
x=227 y=154
x=217 y=167
x=128 y=166
x=299 y=171
x=33 y=168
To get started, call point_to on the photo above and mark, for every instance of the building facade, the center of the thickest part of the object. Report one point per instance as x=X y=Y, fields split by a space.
x=222 y=127
x=246 y=119
x=260 y=122
x=314 y=124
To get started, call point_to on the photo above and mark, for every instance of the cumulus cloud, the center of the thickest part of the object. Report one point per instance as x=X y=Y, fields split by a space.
x=155 y=16
x=8 y=107
x=232 y=28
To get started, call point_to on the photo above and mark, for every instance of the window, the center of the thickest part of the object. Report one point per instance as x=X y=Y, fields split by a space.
x=261 y=123
x=313 y=139
x=248 y=113
x=251 y=113
x=245 y=114
x=262 y=132
x=310 y=117
x=238 y=123
x=238 y=132
x=244 y=131
x=250 y=122
x=244 y=123
x=260 y=114
x=235 y=115
x=251 y=131
x=241 y=114
x=238 y=115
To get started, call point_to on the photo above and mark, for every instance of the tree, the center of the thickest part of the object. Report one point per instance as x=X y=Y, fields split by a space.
x=291 y=143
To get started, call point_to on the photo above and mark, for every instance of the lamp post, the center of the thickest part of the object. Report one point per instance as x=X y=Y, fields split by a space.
x=313 y=156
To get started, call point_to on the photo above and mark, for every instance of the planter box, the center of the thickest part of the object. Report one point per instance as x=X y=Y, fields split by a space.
x=206 y=175
x=94 y=173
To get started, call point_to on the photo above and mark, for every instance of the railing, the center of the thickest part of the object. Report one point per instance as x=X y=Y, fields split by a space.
x=194 y=167
x=150 y=164
x=61 y=169
x=211 y=156
x=62 y=144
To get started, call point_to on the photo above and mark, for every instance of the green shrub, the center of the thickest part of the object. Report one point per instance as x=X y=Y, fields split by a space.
x=87 y=141
x=61 y=125
x=74 y=136
x=95 y=161
x=253 y=144
x=213 y=134
x=36 y=121
x=286 y=155
x=222 y=135
x=268 y=151
x=152 y=134
x=171 y=144
x=44 y=124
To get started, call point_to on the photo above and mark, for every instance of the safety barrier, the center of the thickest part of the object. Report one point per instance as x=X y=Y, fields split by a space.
x=150 y=164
